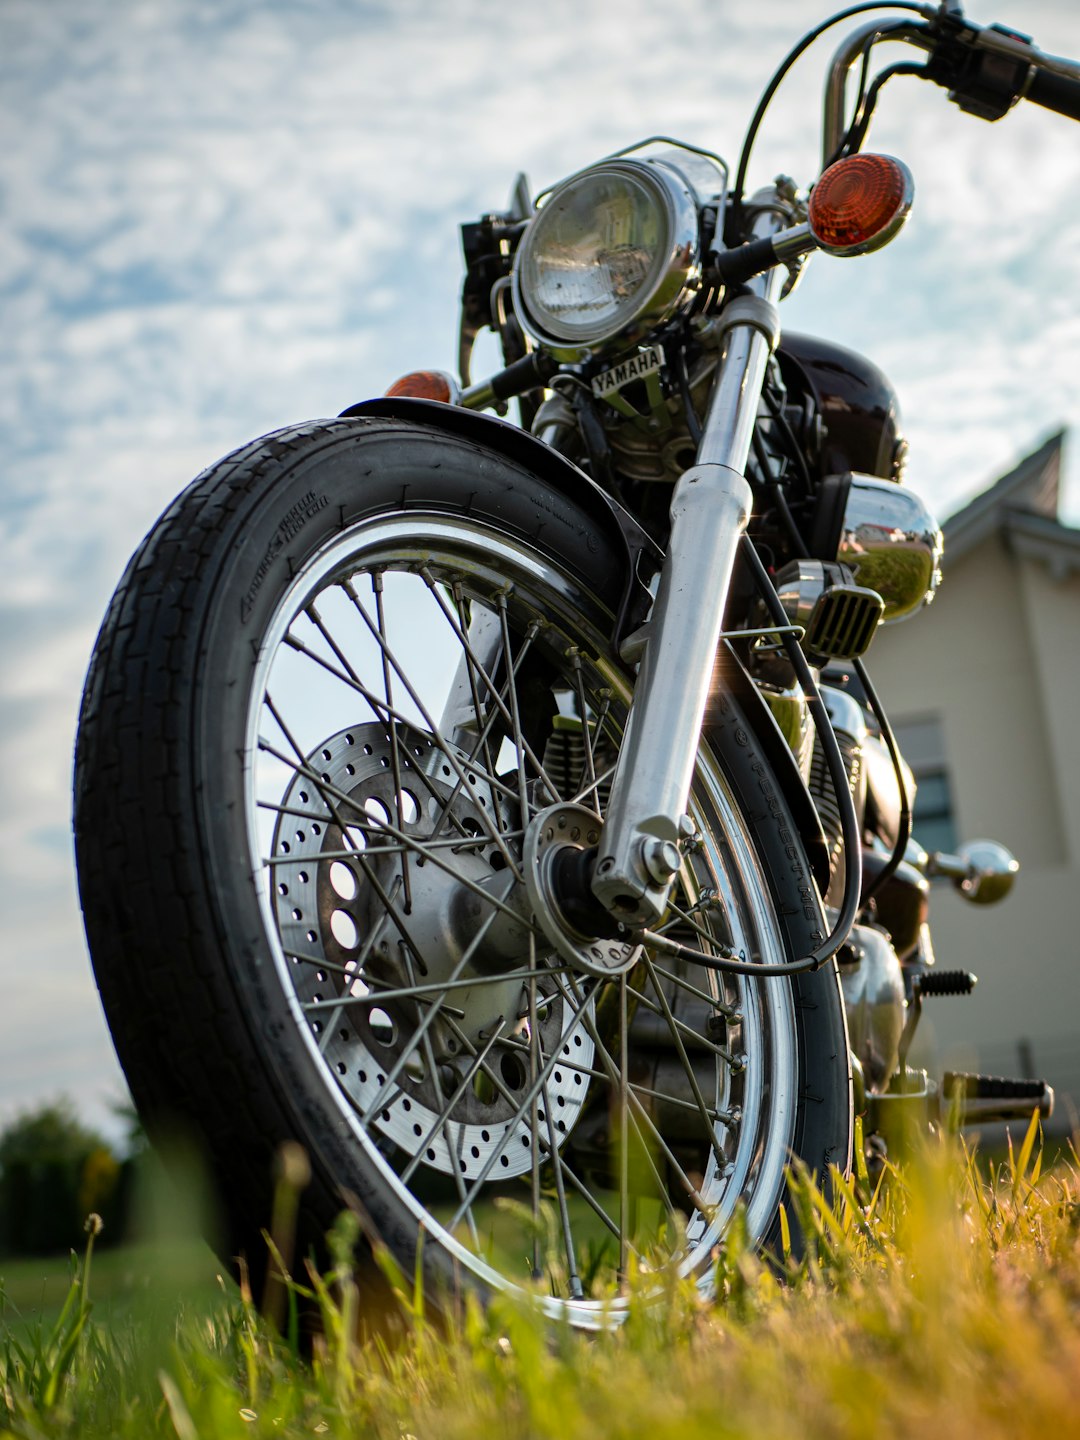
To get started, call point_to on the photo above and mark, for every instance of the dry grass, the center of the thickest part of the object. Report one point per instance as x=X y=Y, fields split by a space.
x=947 y=1303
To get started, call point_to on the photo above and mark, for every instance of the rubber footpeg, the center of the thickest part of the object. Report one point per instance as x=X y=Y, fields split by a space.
x=947 y=982
x=956 y=1085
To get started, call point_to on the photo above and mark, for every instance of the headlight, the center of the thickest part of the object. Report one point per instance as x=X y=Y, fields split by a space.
x=892 y=543
x=613 y=252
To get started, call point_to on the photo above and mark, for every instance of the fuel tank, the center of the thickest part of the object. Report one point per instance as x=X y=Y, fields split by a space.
x=858 y=408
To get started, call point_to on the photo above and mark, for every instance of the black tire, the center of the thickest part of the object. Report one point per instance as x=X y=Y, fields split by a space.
x=204 y=976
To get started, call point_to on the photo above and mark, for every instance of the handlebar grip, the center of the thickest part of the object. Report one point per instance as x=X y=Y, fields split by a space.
x=1055 y=92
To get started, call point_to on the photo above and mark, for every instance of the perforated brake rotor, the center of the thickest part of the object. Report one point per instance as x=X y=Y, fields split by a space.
x=373 y=895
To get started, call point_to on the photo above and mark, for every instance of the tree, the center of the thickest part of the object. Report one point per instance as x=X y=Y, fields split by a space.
x=53 y=1172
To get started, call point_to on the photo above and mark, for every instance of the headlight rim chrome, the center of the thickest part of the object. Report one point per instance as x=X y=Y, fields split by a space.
x=672 y=282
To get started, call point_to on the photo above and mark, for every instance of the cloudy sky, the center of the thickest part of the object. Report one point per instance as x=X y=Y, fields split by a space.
x=219 y=216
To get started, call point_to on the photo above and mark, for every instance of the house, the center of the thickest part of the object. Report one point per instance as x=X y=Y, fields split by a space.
x=984 y=690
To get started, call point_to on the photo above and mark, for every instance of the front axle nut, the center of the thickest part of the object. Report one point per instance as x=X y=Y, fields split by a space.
x=662 y=860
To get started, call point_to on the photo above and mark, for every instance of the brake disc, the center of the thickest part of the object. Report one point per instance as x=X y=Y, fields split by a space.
x=375 y=886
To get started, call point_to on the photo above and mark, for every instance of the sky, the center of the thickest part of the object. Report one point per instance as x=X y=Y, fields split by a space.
x=221 y=216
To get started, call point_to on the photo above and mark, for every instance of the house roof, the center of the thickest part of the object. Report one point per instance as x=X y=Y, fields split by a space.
x=1022 y=508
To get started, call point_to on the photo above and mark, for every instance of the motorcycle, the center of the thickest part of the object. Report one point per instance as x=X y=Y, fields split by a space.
x=505 y=812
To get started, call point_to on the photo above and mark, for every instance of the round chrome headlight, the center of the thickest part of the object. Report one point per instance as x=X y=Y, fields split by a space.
x=613 y=252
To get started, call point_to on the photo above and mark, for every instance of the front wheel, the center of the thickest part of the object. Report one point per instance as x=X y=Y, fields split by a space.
x=357 y=674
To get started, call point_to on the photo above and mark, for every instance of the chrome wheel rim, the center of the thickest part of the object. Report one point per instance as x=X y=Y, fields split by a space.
x=604 y=1125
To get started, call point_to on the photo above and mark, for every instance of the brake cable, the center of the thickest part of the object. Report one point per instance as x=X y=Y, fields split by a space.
x=856 y=133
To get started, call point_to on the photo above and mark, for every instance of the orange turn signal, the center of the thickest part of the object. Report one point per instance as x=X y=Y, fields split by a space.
x=426 y=385
x=860 y=203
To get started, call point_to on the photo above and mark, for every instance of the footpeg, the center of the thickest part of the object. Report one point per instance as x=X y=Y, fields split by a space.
x=982 y=1099
x=946 y=982
x=931 y=982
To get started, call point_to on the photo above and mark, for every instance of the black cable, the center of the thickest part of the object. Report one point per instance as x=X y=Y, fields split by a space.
x=693 y=424
x=857 y=109
x=873 y=700
x=769 y=477
x=903 y=833
x=780 y=500
x=856 y=134
x=774 y=84
x=795 y=450
x=774 y=483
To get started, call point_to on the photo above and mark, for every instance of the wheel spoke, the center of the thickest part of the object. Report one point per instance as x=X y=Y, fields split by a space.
x=459 y=1090
x=534 y=1159
x=586 y=735
x=576 y=1291
x=447 y=750
x=507 y=714
x=678 y=1026
x=643 y=1115
x=579 y=1185
x=395 y=757
x=459 y=845
x=425 y=1024
x=410 y=992
x=535 y=1086
x=691 y=1077
x=722 y=1117
x=684 y=917
x=478 y=709
x=729 y=1012
x=371 y=825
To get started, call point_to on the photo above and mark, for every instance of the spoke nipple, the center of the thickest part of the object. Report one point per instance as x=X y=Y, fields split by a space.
x=687 y=828
x=738 y=1064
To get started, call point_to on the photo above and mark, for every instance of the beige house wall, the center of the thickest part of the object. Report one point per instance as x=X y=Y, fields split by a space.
x=967 y=659
x=1052 y=612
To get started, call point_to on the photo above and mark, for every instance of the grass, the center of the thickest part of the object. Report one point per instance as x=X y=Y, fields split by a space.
x=947 y=1303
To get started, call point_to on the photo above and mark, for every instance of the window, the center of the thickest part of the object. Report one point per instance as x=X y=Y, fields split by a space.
x=922 y=744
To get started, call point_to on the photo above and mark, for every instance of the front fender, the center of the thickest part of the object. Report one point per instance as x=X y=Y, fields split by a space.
x=643 y=556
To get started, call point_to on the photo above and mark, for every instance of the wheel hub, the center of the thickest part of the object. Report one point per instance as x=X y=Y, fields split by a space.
x=559 y=829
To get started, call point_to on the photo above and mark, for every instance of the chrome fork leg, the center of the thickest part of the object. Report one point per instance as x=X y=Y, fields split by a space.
x=638 y=855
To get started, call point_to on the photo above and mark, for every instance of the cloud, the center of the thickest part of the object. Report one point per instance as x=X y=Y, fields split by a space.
x=218 y=216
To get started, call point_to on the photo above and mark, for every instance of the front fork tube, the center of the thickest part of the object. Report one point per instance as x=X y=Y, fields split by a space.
x=639 y=856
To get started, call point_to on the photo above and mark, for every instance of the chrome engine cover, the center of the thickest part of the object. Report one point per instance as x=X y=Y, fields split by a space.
x=873 y=984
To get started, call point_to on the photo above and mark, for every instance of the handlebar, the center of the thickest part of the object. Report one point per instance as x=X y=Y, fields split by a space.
x=985 y=68
x=1055 y=92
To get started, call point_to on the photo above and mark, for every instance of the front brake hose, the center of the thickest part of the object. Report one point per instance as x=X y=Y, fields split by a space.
x=849 y=820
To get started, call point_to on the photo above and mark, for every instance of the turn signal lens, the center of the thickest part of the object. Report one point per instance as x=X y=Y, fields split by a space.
x=860 y=203
x=426 y=385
